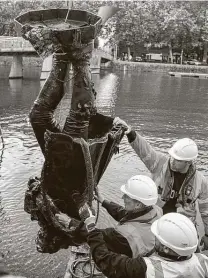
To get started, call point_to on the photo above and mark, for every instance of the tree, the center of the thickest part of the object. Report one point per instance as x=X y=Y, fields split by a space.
x=178 y=24
x=131 y=24
x=174 y=23
x=11 y=9
x=200 y=9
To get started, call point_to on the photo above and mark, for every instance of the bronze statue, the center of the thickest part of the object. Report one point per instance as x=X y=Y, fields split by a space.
x=77 y=155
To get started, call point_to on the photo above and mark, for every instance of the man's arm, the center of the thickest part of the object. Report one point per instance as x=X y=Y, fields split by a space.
x=112 y=264
x=151 y=158
x=115 y=210
x=116 y=242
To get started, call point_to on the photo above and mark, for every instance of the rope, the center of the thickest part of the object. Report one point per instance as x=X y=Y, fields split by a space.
x=88 y=260
x=98 y=209
x=76 y=262
x=89 y=169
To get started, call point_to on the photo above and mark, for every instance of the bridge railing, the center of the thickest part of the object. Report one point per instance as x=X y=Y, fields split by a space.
x=14 y=44
x=18 y=44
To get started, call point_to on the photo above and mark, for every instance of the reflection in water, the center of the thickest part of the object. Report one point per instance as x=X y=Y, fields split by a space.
x=2 y=212
x=161 y=107
x=2 y=147
x=106 y=88
x=15 y=86
x=3 y=221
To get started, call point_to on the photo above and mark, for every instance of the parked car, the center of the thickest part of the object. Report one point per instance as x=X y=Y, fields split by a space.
x=192 y=62
x=138 y=59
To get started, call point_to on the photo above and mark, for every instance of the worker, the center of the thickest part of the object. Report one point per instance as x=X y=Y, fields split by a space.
x=174 y=257
x=134 y=220
x=132 y=235
x=181 y=187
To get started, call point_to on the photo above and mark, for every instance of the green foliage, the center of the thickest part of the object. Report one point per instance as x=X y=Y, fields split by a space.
x=180 y=24
x=10 y=9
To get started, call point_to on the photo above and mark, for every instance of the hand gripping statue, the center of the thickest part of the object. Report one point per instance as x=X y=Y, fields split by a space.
x=77 y=155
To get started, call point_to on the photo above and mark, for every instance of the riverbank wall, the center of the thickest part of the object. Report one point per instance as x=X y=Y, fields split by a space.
x=27 y=61
x=120 y=65
x=157 y=67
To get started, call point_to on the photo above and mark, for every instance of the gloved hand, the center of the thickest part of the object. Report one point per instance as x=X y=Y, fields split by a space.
x=99 y=197
x=86 y=215
x=118 y=121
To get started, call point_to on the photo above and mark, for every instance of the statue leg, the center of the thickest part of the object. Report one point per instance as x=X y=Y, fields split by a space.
x=83 y=96
x=42 y=112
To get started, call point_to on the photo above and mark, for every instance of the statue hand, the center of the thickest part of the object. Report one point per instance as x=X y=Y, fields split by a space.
x=63 y=219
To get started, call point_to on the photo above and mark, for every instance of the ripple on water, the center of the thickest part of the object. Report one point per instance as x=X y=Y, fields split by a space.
x=160 y=107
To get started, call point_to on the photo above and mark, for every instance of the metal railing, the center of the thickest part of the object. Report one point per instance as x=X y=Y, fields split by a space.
x=18 y=44
x=13 y=44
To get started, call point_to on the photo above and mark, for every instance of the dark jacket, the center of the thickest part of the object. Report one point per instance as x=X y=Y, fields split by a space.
x=132 y=236
x=159 y=264
x=114 y=265
x=114 y=240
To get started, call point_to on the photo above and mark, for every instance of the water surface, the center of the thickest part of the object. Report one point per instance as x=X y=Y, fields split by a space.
x=160 y=107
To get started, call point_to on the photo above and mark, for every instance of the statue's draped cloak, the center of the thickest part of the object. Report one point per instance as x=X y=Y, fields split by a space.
x=65 y=170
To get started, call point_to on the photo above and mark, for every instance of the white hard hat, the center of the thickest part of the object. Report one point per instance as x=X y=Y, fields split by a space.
x=184 y=149
x=141 y=188
x=177 y=232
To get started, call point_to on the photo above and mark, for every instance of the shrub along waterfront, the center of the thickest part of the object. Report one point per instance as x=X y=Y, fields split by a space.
x=160 y=67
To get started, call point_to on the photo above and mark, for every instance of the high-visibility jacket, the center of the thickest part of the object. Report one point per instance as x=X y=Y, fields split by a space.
x=196 y=187
x=138 y=233
x=159 y=267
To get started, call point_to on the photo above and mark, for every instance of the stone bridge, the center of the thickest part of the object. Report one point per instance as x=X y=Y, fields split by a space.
x=18 y=48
